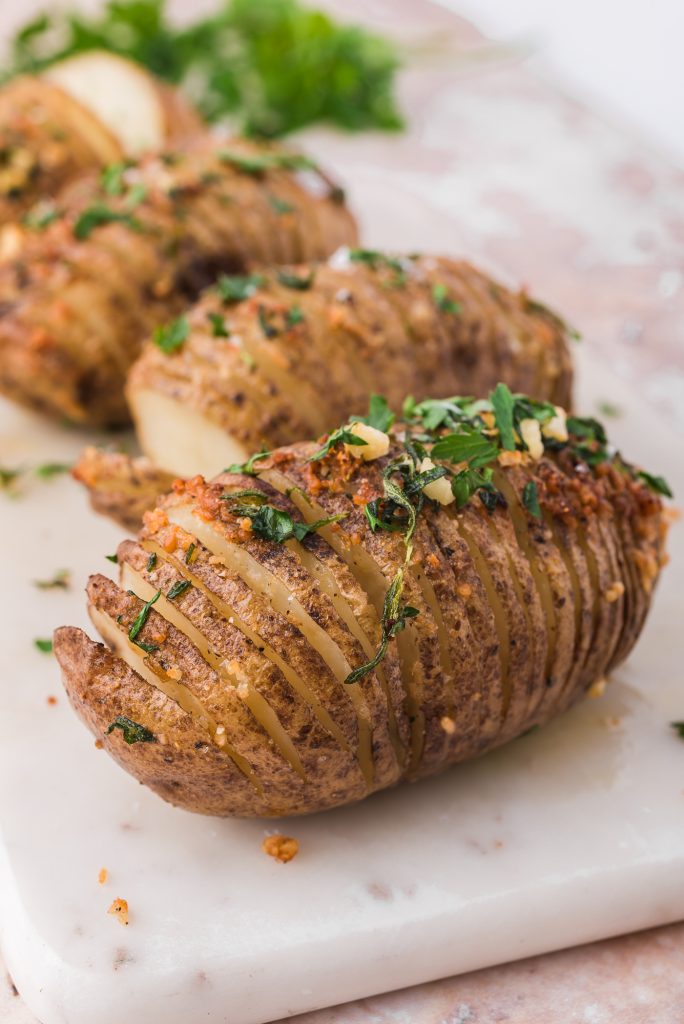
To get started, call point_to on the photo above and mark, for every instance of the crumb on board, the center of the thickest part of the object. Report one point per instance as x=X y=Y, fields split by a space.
x=52 y=700
x=99 y=745
x=102 y=876
x=119 y=909
x=282 y=848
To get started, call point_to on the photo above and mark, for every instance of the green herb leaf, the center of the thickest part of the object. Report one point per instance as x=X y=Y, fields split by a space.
x=189 y=553
x=218 y=325
x=178 y=588
x=8 y=477
x=43 y=645
x=236 y=288
x=656 y=483
x=440 y=297
x=112 y=558
x=295 y=281
x=530 y=497
x=268 y=329
x=258 y=164
x=60 y=581
x=132 y=731
x=111 y=177
x=294 y=316
x=97 y=215
x=679 y=728
x=380 y=416
x=503 y=404
x=139 y=622
x=41 y=216
x=273 y=524
x=280 y=206
x=470 y=445
x=151 y=562
x=342 y=435
x=170 y=337
x=51 y=469
x=247 y=468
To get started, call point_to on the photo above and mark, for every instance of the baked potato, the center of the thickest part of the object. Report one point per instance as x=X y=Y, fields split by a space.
x=308 y=344
x=335 y=617
x=126 y=250
x=79 y=115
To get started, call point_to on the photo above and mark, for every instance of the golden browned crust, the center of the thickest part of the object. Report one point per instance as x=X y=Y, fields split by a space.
x=519 y=612
x=79 y=296
x=120 y=486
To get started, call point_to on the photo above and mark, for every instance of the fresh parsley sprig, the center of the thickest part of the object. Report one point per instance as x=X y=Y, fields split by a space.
x=269 y=522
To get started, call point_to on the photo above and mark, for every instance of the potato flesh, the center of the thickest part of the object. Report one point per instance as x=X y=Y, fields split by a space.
x=180 y=439
x=117 y=91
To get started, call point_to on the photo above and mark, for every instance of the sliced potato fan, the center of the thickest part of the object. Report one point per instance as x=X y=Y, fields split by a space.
x=327 y=622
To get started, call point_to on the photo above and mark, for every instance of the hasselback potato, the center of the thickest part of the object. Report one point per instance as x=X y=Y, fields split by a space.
x=120 y=253
x=335 y=617
x=286 y=354
x=52 y=131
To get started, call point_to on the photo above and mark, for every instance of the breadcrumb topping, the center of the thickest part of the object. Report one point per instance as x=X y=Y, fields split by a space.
x=282 y=848
x=119 y=909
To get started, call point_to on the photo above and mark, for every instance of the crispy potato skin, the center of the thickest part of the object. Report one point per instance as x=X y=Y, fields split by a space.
x=75 y=310
x=360 y=328
x=119 y=486
x=518 y=616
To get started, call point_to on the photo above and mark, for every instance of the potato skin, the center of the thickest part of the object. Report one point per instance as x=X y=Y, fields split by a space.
x=517 y=616
x=120 y=486
x=76 y=309
x=432 y=328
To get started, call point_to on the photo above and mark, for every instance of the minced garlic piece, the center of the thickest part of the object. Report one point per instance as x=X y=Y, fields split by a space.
x=377 y=442
x=614 y=591
x=438 y=490
x=506 y=458
x=530 y=431
x=557 y=428
x=598 y=688
x=119 y=909
x=448 y=725
x=282 y=848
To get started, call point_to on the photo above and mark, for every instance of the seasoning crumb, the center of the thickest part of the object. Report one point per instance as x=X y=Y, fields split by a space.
x=464 y=590
x=448 y=725
x=598 y=688
x=99 y=744
x=51 y=700
x=614 y=591
x=282 y=848
x=119 y=909
x=102 y=877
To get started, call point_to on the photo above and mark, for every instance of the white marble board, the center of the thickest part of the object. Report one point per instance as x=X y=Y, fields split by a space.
x=567 y=835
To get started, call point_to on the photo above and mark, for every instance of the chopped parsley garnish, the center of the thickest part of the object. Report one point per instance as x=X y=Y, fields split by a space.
x=178 y=588
x=258 y=164
x=236 y=288
x=51 y=469
x=380 y=416
x=341 y=436
x=218 y=325
x=503 y=404
x=655 y=483
x=8 y=477
x=280 y=206
x=60 y=581
x=247 y=468
x=132 y=731
x=112 y=558
x=151 y=561
x=189 y=553
x=170 y=337
x=97 y=215
x=376 y=260
x=43 y=645
x=295 y=281
x=609 y=409
x=111 y=177
x=294 y=316
x=271 y=523
x=530 y=497
x=268 y=329
x=470 y=445
x=41 y=216
x=231 y=58
x=440 y=297
x=678 y=728
x=139 y=622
